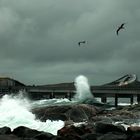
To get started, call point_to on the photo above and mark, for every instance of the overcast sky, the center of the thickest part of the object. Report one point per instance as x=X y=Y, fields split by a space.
x=39 y=40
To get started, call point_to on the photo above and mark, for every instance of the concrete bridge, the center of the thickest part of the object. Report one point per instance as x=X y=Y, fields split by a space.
x=126 y=87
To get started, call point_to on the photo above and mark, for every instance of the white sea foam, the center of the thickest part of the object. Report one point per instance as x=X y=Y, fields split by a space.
x=50 y=102
x=15 y=111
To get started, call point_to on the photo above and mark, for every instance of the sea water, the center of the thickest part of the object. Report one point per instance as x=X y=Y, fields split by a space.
x=16 y=110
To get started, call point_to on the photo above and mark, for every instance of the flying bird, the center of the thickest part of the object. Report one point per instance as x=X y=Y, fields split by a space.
x=81 y=42
x=120 y=27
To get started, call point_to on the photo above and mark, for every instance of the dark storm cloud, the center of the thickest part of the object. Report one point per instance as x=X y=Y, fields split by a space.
x=38 y=39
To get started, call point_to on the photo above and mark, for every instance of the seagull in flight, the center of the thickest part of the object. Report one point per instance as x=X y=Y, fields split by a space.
x=120 y=27
x=81 y=42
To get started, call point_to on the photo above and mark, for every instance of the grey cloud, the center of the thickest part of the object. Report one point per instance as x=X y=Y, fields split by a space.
x=38 y=39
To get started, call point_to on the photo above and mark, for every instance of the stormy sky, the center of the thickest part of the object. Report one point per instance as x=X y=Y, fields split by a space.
x=39 y=40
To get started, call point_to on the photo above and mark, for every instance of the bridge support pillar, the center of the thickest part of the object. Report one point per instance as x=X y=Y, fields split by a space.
x=116 y=100
x=131 y=100
x=51 y=95
x=138 y=98
x=104 y=99
x=69 y=96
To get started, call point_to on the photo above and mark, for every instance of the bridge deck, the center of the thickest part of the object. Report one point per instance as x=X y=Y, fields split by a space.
x=36 y=92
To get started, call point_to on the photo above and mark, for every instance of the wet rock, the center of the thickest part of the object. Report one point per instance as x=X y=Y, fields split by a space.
x=135 y=137
x=102 y=119
x=71 y=130
x=113 y=136
x=52 y=113
x=89 y=136
x=9 y=137
x=133 y=129
x=28 y=139
x=81 y=112
x=5 y=130
x=22 y=131
x=44 y=136
x=68 y=137
x=127 y=112
x=53 y=116
x=101 y=127
x=76 y=113
x=25 y=132
x=69 y=122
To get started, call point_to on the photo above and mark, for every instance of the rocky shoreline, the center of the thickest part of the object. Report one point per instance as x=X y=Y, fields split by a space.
x=98 y=124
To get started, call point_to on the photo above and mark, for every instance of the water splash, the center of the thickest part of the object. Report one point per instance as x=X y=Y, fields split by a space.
x=82 y=88
x=83 y=93
x=16 y=111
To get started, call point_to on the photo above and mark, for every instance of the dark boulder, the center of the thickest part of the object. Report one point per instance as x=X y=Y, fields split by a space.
x=71 y=130
x=68 y=137
x=5 y=130
x=89 y=136
x=102 y=127
x=77 y=130
x=135 y=137
x=113 y=136
x=9 y=137
x=133 y=129
x=44 y=136
x=25 y=132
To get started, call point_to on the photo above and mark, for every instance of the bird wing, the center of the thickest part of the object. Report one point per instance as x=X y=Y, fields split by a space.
x=118 y=30
x=122 y=25
x=79 y=43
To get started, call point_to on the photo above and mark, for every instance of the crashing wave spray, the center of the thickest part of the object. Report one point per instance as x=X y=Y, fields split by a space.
x=15 y=111
x=83 y=93
x=82 y=89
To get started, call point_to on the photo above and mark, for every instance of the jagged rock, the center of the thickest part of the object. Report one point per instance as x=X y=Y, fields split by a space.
x=81 y=112
x=76 y=113
x=52 y=113
x=127 y=112
x=5 y=130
